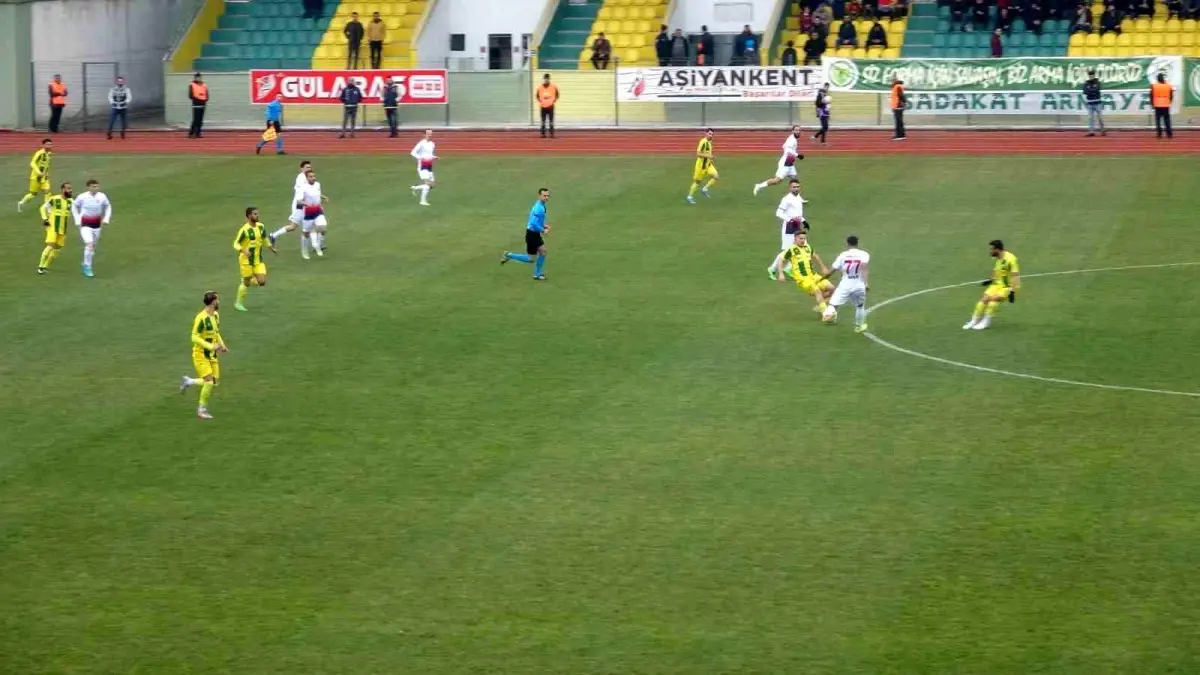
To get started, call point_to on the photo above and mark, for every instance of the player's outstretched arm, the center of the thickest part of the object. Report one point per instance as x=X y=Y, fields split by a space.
x=866 y=272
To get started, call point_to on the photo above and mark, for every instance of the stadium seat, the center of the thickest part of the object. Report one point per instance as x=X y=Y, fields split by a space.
x=1171 y=40
x=620 y=13
x=1091 y=40
x=1174 y=26
x=1190 y=25
x=1187 y=39
x=1108 y=40
x=1156 y=39
x=1124 y=40
x=1141 y=40
x=891 y=53
x=1142 y=25
x=1077 y=40
x=1158 y=25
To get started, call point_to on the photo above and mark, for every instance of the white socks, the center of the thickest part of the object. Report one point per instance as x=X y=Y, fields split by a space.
x=315 y=238
x=303 y=245
x=778 y=262
x=860 y=316
x=424 y=193
x=279 y=233
x=192 y=381
x=89 y=252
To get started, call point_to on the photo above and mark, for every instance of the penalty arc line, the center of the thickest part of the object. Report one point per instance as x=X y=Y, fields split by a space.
x=1028 y=376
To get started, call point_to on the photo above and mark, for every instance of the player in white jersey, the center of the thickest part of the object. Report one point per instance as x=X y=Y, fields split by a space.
x=423 y=152
x=297 y=214
x=790 y=213
x=853 y=263
x=309 y=199
x=787 y=161
x=92 y=210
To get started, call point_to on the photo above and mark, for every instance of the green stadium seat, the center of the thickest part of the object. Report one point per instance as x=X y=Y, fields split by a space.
x=943 y=12
x=244 y=37
x=955 y=39
x=943 y=26
x=939 y=40
x=1060 y=41
x=292 y=52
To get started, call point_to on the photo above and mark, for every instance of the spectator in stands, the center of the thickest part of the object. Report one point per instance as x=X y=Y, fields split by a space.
x=788 y=58
x=997 y=44
x=391 y=100
x=679 y=49
x=1174 y=9
x=1110 y=20
x=313 y=9
x=662 y=46
x=1144 y=8
x=979 y=16
x=877 y=36
x=854 y=9
x=57 y=91
x=824 y=16
x=847 y=34
x=1083 y=20
x=899 y=9
x=1191 y=9
x=351 y=97
x=198 y=93
x=806 y=21
x=1033 y=17
x=1004 y=21
x=354 y=35
x=376 y=36
x=959 y=13
x=118 y=105
x=746 y=47
x=814 y=47
x=706 y=48
x=601 y=52
x=885 y=8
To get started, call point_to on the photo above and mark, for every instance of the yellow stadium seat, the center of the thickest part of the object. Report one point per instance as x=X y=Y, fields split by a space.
x=638 y=2
x=875 y=52
x=605 y=13
x=1091 y=40
x=1187 y=39
x=621 y=41
x=891 y=53
x=1108 y=51
x=638 y=41
x=862 y=27
x=897 y=27
x=1124 y=51
x=858 y=53
x=1126 y=25
x=633 y=55
x=1124 y=40
x=831 y=41
x=392 y=22
x=1141 y=40
x=1097 y=10
x=1076 y=40
x=792 y=23
x=600 y=27
x=1158 y=26
x=626 y=27
x=644 y=27
x=1171 y=40
x=620 y=13
x=653 y=13
x=844 y=52
x=1174 y=25
x=1142 y=25
x=1156 y=39
x=1108 y=40
x=1189 y=25
x=1089 y=51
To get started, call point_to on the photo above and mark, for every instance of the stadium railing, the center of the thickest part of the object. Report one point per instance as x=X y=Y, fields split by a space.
x=505 y=100
x=88 y=83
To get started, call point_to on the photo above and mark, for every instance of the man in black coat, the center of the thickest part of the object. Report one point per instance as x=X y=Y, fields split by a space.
x=391 y=101
x=354 y=35
x=662 y=46
x=351 y=97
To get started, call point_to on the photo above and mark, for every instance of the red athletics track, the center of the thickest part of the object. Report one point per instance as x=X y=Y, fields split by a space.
x=623 y=142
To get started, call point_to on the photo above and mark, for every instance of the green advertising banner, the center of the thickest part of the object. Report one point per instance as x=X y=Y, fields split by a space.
x=1027 y=103
x=1000 y=75
x=1191 y=96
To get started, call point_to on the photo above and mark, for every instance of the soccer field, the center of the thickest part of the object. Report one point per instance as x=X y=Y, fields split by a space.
x=656 y=462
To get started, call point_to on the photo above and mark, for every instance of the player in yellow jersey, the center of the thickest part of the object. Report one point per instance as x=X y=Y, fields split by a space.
x=39 y=173
x=250 y=241
x=56 y=213
x=1002 y=285
x=706 y=168
x=798 y=264
x=207 y=343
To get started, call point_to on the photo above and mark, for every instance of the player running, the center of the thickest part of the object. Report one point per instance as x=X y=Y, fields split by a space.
x=92 y=211
x=798 y=264
x=423 y=152
x=535 y=244
x=1003 y=284
x=787 y=161
x=56 y=213
x=790 y=213
x=249 y=243
x=706 y=168
x=207 y=343
x=39 y=173
x=309 y=200
x=297 y=216
x=853 y=286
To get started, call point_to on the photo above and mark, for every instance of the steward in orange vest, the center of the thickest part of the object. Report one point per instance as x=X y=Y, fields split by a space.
x=58 y=101
x=198 y=92
x=547 y=96
x=897 y=100
x=1161 y=97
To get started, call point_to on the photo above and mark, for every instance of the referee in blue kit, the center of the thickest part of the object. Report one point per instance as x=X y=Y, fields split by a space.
x=535 y=227
x=274 y=116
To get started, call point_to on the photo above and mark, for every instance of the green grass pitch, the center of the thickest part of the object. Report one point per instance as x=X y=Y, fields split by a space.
x=656 y=462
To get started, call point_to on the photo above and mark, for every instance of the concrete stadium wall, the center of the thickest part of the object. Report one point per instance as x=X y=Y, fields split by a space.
x=476 y=20
x=722 y=16
x=16 y=98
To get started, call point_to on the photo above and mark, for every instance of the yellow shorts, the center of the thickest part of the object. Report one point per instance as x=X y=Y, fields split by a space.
x=996 y=292
x=809 y=285
x=701 y=174
x=206 y=367
x=37 y=185
x=253 y=270
x=54 y=238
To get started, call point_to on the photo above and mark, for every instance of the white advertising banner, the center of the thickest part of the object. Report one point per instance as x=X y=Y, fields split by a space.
x=698 y=84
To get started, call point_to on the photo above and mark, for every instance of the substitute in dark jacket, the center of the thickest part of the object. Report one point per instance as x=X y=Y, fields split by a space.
x=354 y=35
x=118 y=106
x=662 y=46
x=391 y=99
x=351 y=97
x=1092 y=98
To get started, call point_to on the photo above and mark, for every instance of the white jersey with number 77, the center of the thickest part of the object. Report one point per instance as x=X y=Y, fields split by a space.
x=852 y=263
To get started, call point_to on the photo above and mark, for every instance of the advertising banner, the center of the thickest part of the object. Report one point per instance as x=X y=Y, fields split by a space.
x=1026 y=103
x=1001 y=75
x=1191 y=85
x=698 y=84
x=415 y=87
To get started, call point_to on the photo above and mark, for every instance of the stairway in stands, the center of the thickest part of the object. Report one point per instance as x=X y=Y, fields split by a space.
x=263 y=34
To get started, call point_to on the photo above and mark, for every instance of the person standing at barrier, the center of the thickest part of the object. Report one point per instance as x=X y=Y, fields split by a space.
x=354 y=35
x=1162 y=95
x=198 y=92
x=897 y=101
x=118 y=103
x=391 y=100
x=822 y=103
x=1091 y=96
x=547 y=96
x=351 y=97
x=376 y=36
x=274 y=130
x=58 y=101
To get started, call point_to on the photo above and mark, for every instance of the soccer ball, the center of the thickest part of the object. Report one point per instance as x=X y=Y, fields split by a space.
x=830 y=315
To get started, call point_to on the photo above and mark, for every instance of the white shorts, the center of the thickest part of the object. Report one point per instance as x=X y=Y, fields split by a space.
x=297 y=216
x=90 y=235
x=309 y=225
x=854 y=292
x=424 y=175
x=786 y=240
x=783 y=171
